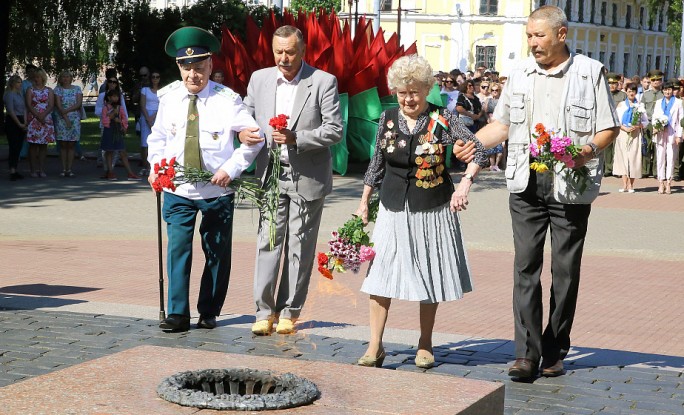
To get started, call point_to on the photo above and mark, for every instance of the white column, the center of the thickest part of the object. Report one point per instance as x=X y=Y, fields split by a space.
x=620 y=61
x=681 y=51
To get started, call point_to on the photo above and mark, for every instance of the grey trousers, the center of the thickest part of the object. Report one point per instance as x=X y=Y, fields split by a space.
x=297 y=227
x=533 y=212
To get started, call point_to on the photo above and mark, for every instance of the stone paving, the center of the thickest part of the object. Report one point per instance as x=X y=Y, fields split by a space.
x=33 y=342
x=68 y=296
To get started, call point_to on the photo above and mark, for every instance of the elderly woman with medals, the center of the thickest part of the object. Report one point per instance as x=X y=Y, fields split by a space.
x=420 y=254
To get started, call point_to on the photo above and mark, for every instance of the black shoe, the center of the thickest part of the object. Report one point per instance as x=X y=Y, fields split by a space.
x=677 y=178
x=175 y=322
x=207 y=322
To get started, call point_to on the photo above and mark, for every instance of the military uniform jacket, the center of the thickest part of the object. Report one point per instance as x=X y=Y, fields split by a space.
x=220 y=113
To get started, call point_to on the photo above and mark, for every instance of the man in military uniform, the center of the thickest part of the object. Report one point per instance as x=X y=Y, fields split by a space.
x=648 y=99
x=618 y=97
x=195 y=124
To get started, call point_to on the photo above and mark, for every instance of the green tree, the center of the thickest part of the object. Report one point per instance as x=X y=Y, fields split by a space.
x=315 y=5
x=673 y=11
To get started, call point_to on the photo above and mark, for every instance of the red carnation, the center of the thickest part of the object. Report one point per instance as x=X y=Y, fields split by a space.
x=279 y=122
x=322 y=259
x=325 y=272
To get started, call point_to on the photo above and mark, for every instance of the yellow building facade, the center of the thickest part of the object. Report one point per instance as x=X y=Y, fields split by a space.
x=491 y=33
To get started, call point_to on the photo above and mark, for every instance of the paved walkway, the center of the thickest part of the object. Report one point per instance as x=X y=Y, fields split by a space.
x=79 y=280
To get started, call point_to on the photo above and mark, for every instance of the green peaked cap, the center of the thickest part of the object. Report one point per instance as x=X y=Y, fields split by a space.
x=191 y=44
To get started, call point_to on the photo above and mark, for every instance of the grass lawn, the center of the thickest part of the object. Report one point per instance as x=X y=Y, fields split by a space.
x=90 y=135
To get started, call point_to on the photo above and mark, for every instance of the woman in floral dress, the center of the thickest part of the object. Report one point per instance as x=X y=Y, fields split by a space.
x=67 y=116
x=40 y=101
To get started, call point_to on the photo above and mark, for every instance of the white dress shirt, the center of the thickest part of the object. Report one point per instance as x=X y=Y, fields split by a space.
x=220 y=112
x=285 y=96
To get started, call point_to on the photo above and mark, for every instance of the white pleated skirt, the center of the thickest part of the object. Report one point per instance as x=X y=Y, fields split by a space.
x=420 y=256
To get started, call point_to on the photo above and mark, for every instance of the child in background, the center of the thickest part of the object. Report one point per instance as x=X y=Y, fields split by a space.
x=115 y=124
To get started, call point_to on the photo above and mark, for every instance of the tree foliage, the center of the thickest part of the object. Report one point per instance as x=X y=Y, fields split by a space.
x=673 y=11
x=61 y=34
x=315 y=5
x=142 y=31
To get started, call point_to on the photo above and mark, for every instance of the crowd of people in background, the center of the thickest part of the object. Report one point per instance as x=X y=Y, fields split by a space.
x=643 y=149
x=37 y=115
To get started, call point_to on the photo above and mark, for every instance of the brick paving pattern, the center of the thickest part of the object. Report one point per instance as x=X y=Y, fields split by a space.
x=79 y=280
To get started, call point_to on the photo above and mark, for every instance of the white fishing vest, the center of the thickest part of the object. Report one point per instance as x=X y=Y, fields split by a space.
x=577 y=120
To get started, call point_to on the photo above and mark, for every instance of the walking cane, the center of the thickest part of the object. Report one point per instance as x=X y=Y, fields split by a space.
x=162 y=313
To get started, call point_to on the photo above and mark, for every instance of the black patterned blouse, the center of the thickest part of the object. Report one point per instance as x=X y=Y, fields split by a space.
x=456 y=131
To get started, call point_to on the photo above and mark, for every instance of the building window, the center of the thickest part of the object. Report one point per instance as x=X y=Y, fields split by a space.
x=625 y=65
x=667 y=66
x=386 y=6
x=602 y=57
x=641 y=17
x=489 y=7
x=485 y=56
x=604 y=10
x=568 y=9
x=628 y=17
x=611 y=61
x=593 y=11
x=657 y=65
x=648 y=63
x=580 y=11
x=638 y=65
x=615 y=14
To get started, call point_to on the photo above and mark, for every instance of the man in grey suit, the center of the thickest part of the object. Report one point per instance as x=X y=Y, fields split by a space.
x=309 y=97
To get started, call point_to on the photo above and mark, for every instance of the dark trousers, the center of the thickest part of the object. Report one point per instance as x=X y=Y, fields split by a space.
x=15 y=139
x=679 y=162
x=608 y=156
x=216 y=229
x=533 y=212
x=648 y=158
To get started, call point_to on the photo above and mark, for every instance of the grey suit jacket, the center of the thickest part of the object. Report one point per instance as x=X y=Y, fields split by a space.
x=315 y=118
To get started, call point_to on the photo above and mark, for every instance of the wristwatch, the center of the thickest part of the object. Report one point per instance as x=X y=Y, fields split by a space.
x=469 y=176
x=594 y=150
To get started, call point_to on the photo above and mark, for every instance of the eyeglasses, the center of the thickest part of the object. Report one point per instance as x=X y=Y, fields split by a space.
x=484 y=86
x=448 y=81
x=471 y=86
x=145 y=75
x=155 y=77
x=407 y=94
x=495 y=89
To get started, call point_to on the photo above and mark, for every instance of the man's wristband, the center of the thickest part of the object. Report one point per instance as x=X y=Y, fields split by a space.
x=595 y=151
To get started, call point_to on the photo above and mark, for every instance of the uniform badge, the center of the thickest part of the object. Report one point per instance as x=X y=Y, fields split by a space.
x=388 y=134
x=215 y=136
x=402 y=143
x=192 y=117
x=390 y=148
x=390 y=124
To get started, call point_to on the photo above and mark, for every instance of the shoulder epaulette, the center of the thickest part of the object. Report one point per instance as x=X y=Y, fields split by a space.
x=225 y=92
x=168 y=88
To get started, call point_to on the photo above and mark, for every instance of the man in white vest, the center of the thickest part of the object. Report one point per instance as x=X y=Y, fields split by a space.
x=567 y=92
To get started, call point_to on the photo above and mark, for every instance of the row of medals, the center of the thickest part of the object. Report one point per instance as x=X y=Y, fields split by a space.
x=430 y=165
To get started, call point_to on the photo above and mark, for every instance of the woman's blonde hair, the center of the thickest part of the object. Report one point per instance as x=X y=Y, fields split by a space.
x=13 y=79
x=43 y=75
x=411 y=69
x=64 y=73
